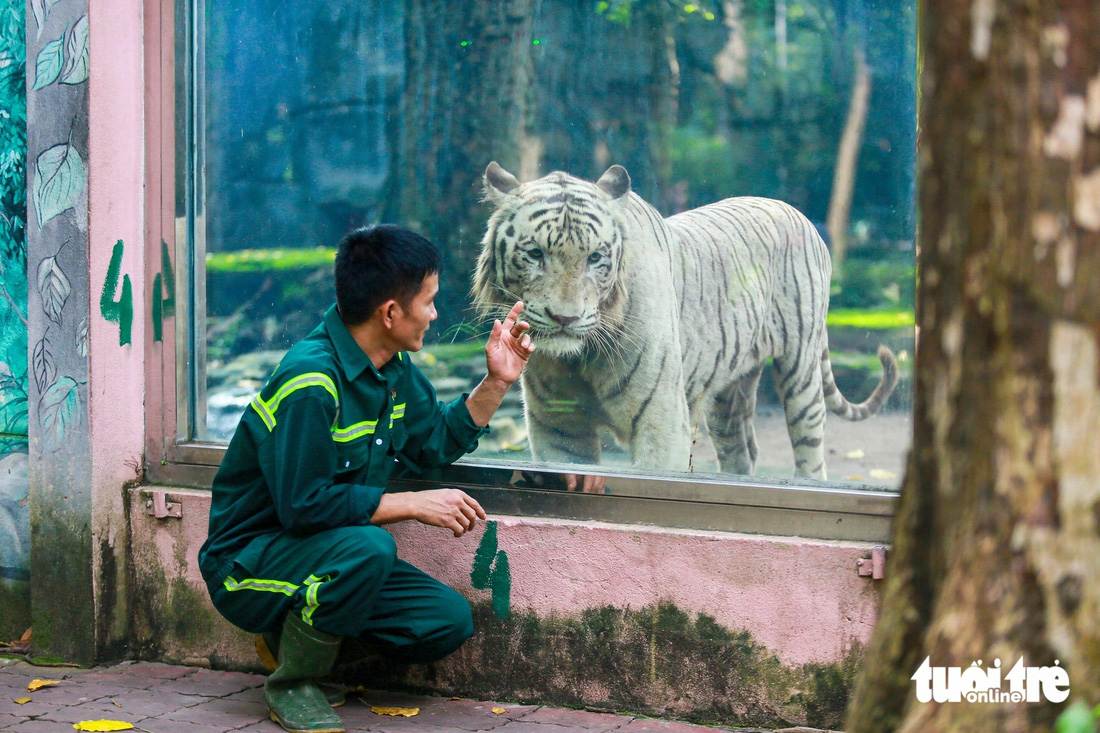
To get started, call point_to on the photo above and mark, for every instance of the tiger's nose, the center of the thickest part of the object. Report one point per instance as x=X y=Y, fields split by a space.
x=562 y=321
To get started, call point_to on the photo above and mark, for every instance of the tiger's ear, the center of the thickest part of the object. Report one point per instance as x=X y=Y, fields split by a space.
x=498 y=182
x=615 y=182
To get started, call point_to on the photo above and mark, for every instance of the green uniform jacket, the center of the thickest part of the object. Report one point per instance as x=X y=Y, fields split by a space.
x=315 y=448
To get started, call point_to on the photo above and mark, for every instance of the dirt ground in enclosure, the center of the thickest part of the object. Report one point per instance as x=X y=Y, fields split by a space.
x=869 y=454
x=873 y=451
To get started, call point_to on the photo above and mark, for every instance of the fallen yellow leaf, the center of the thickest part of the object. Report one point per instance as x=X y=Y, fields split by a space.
x=103 y=725
x=854 y=454
x=38 y=684
x=882 y=474
x=115 y=702
x=22 y=700
x=499 y=711
x=403 y=712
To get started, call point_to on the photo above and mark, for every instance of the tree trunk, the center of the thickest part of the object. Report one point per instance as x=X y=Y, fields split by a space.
x=996 y=547
x=844 y=176
x=468 y=74
x=663 y=87
x=731 y=63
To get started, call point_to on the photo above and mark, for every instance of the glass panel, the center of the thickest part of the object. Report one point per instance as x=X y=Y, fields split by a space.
x=666 y=332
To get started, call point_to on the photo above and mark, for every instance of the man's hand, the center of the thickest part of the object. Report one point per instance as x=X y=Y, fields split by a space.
x=506 y=354
x=509 y=347
x=448 y=508
x=588 y=484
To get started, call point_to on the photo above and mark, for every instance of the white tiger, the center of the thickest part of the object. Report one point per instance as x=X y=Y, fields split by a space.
x=659 y=328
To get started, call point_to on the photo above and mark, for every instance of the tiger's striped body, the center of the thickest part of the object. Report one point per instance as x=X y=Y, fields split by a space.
x=660 y=328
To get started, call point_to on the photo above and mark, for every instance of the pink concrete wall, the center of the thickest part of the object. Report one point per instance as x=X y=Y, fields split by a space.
x=116 y=212
x=802 y=599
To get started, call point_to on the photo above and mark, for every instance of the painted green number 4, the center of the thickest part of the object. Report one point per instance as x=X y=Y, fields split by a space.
x=491 y=571
x=119 y=311
x=164 y=293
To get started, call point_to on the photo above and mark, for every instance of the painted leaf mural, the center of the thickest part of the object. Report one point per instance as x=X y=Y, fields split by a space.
x=54 y=288
x=76 y=48
x=58 y=181
x=42 y=364
x=41 y=10
x=59 y=410
x=82 y=338
x=48 y=66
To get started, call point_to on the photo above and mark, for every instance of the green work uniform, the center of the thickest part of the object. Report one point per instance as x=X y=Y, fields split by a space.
x=290 y=518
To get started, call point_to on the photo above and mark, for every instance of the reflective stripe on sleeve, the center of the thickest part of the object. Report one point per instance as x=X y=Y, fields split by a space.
x=266 y=408
x=260 y=584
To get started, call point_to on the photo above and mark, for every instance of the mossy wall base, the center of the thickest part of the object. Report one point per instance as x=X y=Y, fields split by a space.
x=703 y=626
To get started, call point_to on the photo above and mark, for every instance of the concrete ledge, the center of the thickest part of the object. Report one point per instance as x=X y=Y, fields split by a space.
x=710 y=626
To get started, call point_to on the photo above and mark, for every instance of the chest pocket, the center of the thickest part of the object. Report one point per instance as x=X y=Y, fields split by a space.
x=353 y=445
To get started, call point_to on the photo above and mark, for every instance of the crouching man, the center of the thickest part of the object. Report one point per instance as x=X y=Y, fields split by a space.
x=295 y=549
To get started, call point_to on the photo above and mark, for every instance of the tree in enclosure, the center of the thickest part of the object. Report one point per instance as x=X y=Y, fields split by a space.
x=466 y=101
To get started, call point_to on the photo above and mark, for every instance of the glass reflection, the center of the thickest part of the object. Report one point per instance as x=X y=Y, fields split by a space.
x=324 y=116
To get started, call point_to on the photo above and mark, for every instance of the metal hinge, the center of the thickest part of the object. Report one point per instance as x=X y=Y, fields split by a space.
x=157 y=505
x=875 y=565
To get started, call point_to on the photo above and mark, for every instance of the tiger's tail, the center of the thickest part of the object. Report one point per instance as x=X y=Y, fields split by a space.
x=844 y=409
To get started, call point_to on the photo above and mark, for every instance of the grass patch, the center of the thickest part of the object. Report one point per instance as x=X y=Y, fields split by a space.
x=265 y=260
x=875 y=320
x=866 y=362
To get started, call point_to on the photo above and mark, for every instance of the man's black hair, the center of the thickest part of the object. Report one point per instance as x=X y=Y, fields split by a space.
x=377 y=263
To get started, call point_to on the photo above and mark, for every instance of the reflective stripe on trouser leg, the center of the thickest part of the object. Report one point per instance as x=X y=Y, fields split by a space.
x=346 y=568
x=313 y=588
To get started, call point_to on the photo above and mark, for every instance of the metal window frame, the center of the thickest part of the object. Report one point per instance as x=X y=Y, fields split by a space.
x=175 y=211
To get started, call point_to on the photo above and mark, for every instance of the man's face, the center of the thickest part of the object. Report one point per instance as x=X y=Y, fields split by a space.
x=410 y=324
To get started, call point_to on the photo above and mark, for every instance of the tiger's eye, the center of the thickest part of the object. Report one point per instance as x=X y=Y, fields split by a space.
x=595 y=257
x=535 y=253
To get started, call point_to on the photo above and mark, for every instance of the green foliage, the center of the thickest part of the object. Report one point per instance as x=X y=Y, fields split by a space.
x=880 y=284
x=262 y=260
x=1077 y=718
x=13 y=214
x=617 y=11
x=13 y=134
x=13 y=407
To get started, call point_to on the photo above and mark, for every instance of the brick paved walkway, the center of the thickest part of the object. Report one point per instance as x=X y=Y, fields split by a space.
x=159 y=698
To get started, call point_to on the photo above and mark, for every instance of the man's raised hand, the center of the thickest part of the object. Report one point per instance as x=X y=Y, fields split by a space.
x=509 y=346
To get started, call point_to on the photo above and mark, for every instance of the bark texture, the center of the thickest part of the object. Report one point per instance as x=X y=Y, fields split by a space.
x=996 y=548
x=466 y=103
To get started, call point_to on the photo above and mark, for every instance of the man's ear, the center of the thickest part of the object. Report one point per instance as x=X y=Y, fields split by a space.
x=388 y=312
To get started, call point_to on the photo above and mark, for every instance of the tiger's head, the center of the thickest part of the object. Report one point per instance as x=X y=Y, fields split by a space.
x=557 y=245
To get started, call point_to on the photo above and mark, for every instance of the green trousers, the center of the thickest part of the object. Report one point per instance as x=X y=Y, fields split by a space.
x=348 y=582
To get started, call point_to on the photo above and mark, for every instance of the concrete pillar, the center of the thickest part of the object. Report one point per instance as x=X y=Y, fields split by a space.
x=86 y=326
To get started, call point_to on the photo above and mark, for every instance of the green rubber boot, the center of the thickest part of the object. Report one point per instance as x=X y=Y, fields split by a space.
x=294 y=700
x=267 y=648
